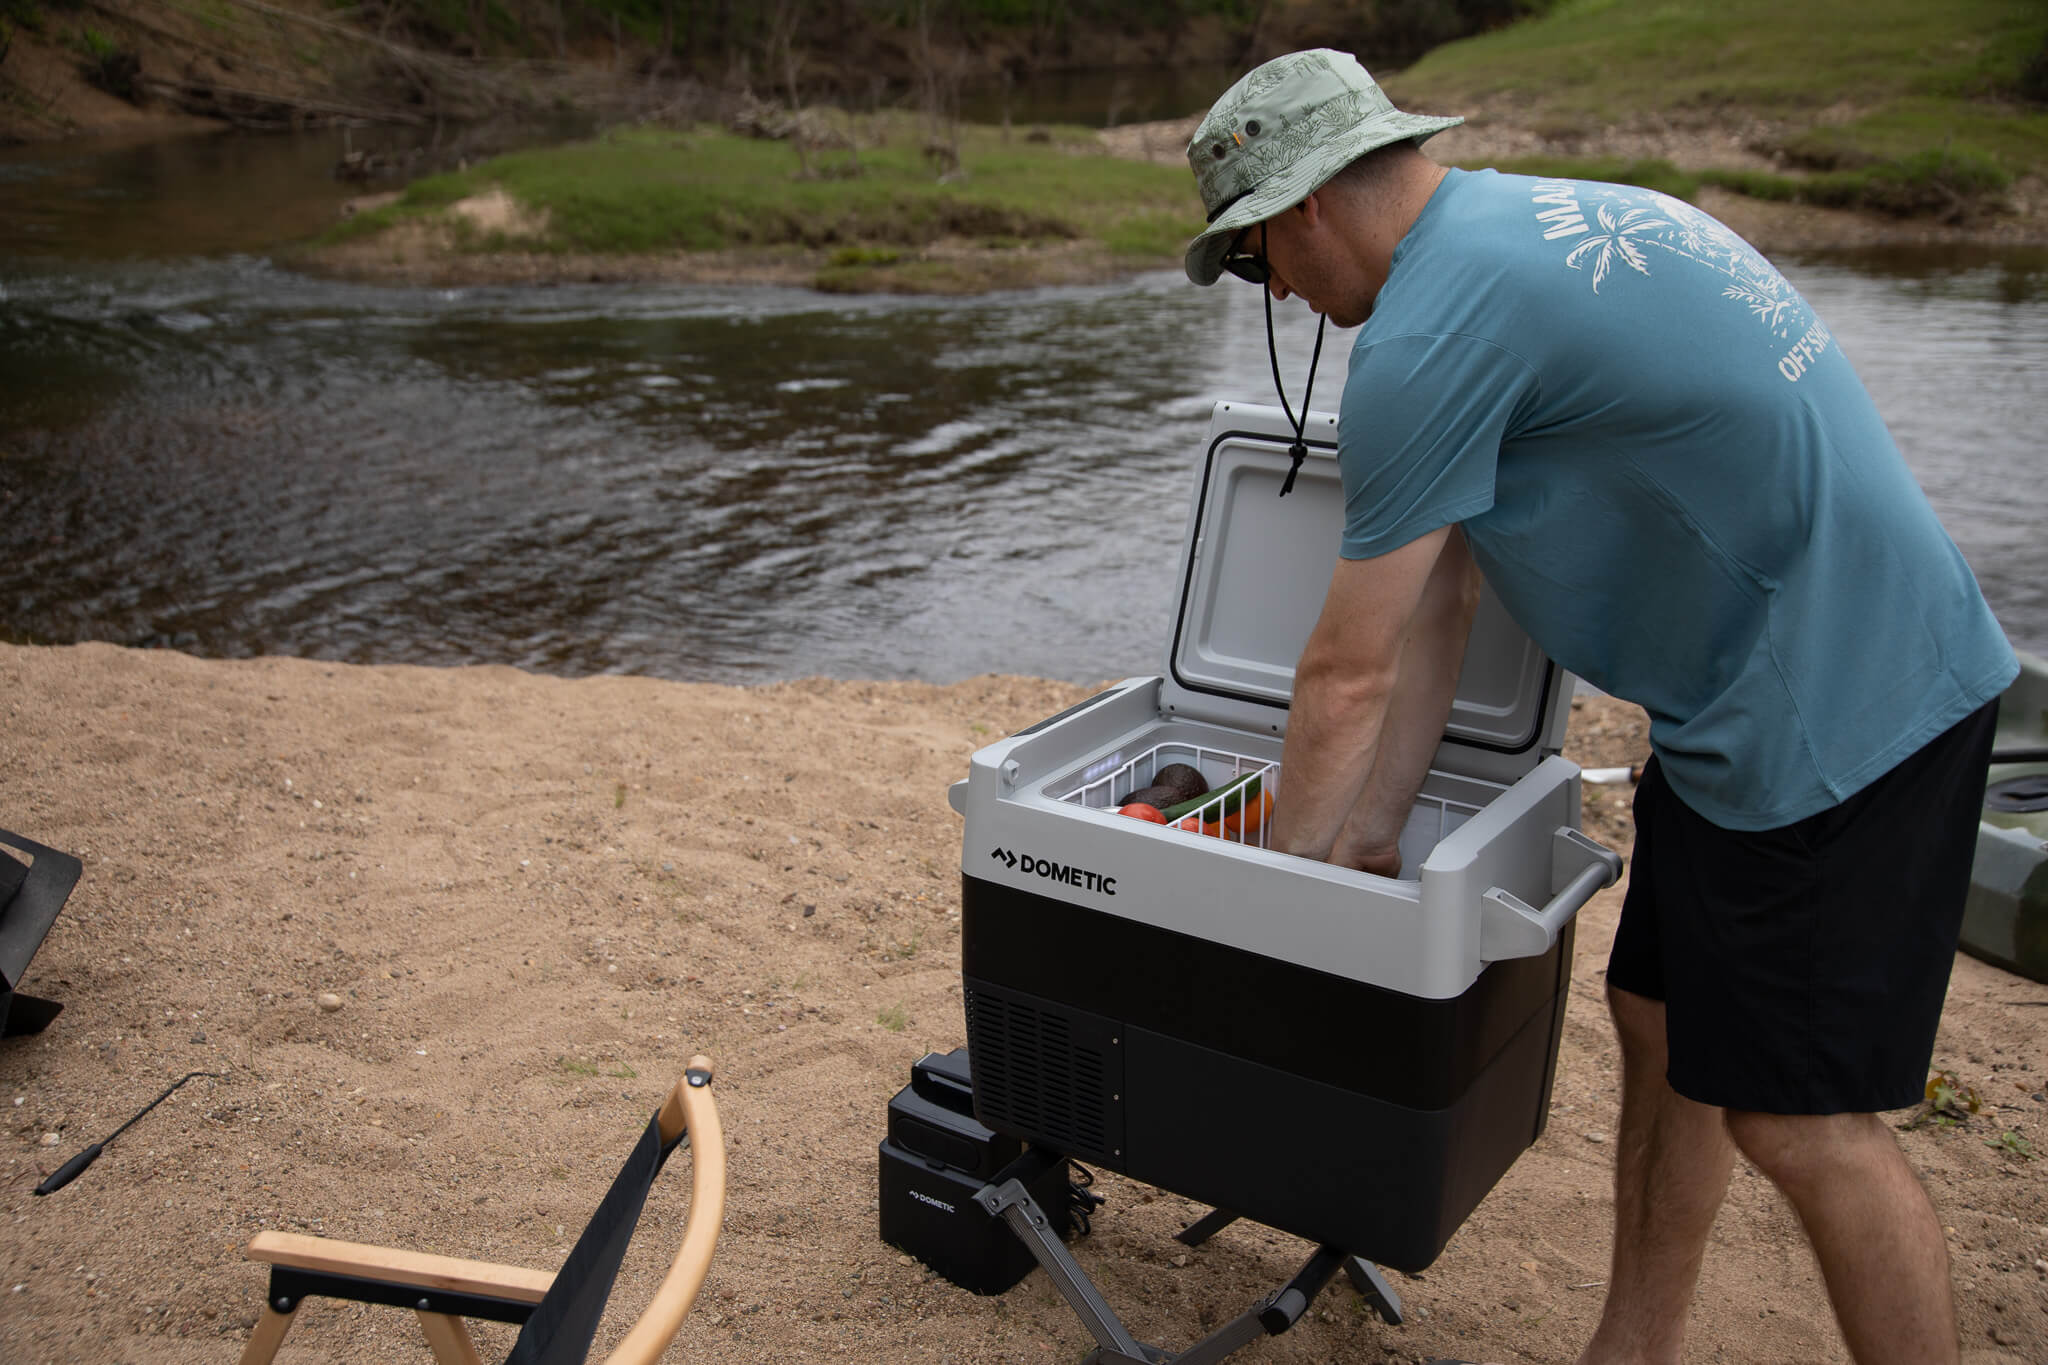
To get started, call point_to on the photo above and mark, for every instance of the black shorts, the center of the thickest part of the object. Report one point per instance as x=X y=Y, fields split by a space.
x=1803 y=968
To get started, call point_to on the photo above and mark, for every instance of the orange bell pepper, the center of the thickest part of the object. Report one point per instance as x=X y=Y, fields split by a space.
x=1249 y=818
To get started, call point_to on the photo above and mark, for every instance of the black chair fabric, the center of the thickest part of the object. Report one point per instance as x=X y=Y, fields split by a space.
x=565 y=1322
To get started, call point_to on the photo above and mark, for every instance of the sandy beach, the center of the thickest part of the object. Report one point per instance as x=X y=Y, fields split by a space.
x=532 y=898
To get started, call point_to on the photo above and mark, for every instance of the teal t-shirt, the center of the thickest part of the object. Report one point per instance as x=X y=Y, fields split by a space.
x=1674 y=481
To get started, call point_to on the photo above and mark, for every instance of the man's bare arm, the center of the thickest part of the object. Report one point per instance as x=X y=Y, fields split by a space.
x=1431 y=657
x=1345 y=686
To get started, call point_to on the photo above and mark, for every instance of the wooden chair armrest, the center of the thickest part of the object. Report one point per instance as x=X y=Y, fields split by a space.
x=405 y=1267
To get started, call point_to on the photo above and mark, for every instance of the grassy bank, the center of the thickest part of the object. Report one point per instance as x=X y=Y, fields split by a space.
x=864 y=199
x=1892 y=105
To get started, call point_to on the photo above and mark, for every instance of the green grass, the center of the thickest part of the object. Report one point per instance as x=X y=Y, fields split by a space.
x=95 y=45
x=643 y=190
x=1612 y=58
x=1870 y=86
x=850 y=257
x=2011 y=1144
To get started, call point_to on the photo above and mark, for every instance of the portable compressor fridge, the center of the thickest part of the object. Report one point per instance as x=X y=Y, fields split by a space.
x=1349 y=1058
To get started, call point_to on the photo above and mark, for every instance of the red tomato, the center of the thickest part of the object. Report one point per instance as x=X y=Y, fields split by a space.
x=1138 y=810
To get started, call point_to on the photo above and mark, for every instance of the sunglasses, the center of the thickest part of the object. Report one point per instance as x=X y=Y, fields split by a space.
x=1249 y=266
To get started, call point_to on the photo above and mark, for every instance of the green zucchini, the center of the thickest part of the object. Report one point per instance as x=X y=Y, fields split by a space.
x=1232 y=794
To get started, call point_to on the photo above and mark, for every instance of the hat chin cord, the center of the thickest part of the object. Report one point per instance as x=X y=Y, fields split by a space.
x=1298 y=451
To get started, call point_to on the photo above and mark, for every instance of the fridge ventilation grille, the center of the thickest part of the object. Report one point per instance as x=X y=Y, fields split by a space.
x=1047 y=1073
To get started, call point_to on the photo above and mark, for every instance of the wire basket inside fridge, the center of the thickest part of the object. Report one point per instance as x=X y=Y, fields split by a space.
x=1237 y=814
x=1234 y=810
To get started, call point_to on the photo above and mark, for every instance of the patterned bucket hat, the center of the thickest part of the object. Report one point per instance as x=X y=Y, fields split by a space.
x=1279 y=134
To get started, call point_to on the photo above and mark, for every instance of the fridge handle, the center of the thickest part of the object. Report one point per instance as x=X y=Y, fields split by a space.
x=1511 y=927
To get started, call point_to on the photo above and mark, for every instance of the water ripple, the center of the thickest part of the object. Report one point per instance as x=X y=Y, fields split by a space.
x=740 y=484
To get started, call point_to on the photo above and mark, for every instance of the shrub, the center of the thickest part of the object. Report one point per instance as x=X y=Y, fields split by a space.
x=1782 y=189
x=1945 y=183
x=109 y=66
x=21 y=14
x=2033 y=82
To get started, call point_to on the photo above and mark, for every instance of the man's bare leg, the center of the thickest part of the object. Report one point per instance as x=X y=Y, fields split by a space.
x=1872 y=1226
x=1671 y=1167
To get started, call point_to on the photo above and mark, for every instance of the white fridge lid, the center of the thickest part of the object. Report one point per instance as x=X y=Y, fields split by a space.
x=1254 y=568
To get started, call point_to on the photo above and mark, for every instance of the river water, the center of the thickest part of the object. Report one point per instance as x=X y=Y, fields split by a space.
x=201 y=450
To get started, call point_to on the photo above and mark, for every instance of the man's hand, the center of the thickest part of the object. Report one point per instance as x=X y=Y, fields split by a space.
x=1380 y=864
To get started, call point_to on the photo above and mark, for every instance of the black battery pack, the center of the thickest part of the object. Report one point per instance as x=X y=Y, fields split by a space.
x=934 y=1159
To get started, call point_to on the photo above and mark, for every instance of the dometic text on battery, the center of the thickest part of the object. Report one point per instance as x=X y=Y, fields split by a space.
x=1056 y=872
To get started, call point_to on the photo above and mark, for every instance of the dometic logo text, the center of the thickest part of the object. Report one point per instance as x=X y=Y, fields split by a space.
x=935 y=1203
x=1062 y=873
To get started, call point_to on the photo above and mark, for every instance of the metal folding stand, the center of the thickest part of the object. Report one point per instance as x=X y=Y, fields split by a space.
x=31 y=894
x=1365 y=1277
x=1008 y=1197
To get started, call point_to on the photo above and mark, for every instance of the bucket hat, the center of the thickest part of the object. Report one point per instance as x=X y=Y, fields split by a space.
x=1279 y=134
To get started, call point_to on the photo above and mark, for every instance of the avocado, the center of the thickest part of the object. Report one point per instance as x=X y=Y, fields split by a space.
x=1184 y=778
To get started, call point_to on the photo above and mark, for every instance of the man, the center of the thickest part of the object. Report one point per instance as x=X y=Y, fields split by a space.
x=1672 y=478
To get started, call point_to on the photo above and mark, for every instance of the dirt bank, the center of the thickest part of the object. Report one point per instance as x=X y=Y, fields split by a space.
x=533 y=898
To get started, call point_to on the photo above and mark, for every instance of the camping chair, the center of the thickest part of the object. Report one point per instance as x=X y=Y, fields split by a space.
x=31 y=894
x=560 y=1311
